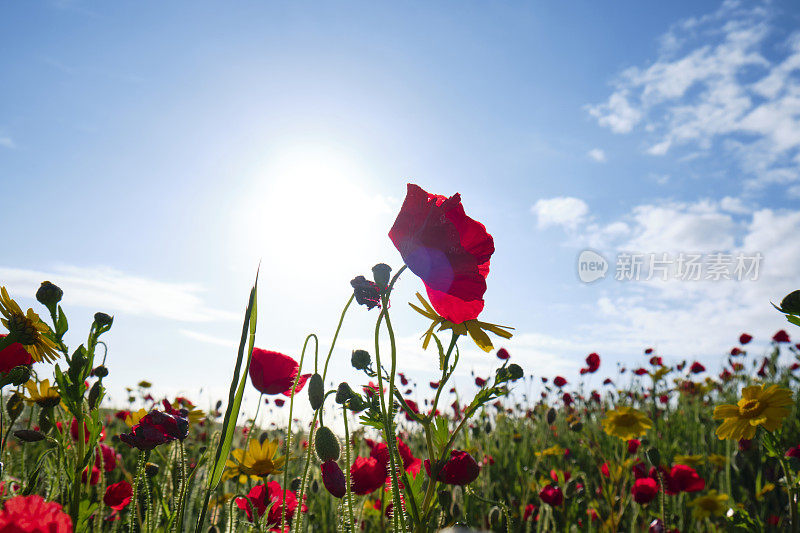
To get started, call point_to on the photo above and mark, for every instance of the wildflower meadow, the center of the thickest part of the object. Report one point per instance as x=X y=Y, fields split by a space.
x=654 y=447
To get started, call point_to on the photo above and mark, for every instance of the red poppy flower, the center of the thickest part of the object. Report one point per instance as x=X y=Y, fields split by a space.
x=551 y=495
x=279 y=402
x=156 y=428
x=608 y=381
x=567 y=399
x=480 y=382
x=262 y=495
x=633 y=445
x=33 y=514
x=367 y=475
x=640 y=371
x=122 y=415
x=559 y=381
x=656 y=360
x=554 y=475
x=639 y=470
x=460 y=469
x=414 y=408
x=333 y=479
x=118 y=495
x=781 y=336
x=449 y=251
x=644 y=490
x=12 y=356
x=380 y=452
x=794 y=452
x=592 y=362
x=682 y=478
x=403 y=379
x=745 y=338
x=274 y=373
x=529 y=510
x=697 y=368
x=434 y=385
x=604 y=470
x=95 y=477
x=503 y=354
x=735 y=351
x=648 y=351
x=108 y=456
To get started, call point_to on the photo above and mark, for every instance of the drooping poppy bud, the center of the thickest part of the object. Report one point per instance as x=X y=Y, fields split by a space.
x=326 y=445
x=360 y=359
x=316 y=391
x=333 y=478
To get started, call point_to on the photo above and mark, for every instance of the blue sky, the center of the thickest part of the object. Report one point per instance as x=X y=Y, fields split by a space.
x=151 y=155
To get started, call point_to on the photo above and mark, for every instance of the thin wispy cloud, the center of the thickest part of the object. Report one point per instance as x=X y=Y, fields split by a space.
x=114 y=291
x=208 y=339
x=7 y=142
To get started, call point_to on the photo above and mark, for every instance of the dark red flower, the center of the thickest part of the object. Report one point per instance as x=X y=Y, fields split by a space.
x=633 y=445
x=656 y=360
x=644 y=490
x=447 y=249
x=31 y=514
x=592 y=362
x=604 y=470
x=697 y=368
x=95 y=477
x=559 y=381
x=122 y=415
x=109 y=458
x=367 y=475
x=12 y=356
x=274 y=373
x=735 y=351
x=413 y=406
x=118 y=495
x=480 y=382
x=434 y=385
x=279 y=402
x=262 y=495
x=529 y=510
x=682 y=478
x=380 y=452
x=73 y=430
x=156 y=428
x=503 y=354
x=460 y=469
x=608 y=381
x=333 y=478
x=551 y=495
x=640 y=371
x=648 y=351
x=366 y=292
x=744 y=444
x=567 y=399
x=794 y=452
x=403 y=379
x=639 y=470
x=781 y=336
x=745 y=338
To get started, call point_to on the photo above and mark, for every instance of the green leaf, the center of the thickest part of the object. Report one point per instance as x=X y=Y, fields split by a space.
x=61 y=324
x=793 y=319
x=440 y=433
x=236 y=392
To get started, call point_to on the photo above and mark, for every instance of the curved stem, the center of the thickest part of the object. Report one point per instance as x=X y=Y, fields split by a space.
x=348 y=494
x=336 y=336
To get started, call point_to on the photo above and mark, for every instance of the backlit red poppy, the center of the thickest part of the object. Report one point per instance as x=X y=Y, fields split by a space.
x=274 y=372
x=118 y=495
x=460 y=469
x=33 y=513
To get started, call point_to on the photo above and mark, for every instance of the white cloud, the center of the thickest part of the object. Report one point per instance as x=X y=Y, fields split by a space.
x=7 y=142
x=564 y=211
x=208 y=339
x=597 y=154
x=112 y=291
x=717 y=80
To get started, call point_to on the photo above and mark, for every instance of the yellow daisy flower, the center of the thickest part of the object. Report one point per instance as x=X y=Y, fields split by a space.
x=760 y=406
x=475 y=328
x=27 y=329
x=44 y=395
x=711 y=504
x=689 y=460
x=259 y=460
x=626 y=423
x=133 y=418
x=555 y=450
x=717 y=460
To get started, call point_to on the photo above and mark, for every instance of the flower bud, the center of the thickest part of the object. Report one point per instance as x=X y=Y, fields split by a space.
x=27 y=435
x=316 y=391
x=333 y=479
x=49 y=294
x=653 y=456
x=100 y=371
x=576 y=426
x=19 y=375
x=14 y=406
x=343 y=393
x=94 y=395
x=151 y=469
x=360 y=359
x=102 y=319
x=488 y=427
x=295 y=484
x=381 y=273
x=515 y=371
x=551 y=416
x=445 y=498
x=45 y=420
x=314 y=486
x=495 y=516
x=326 y=445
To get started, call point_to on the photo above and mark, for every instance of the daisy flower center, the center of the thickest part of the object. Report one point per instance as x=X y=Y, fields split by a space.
x=750 y=408
x=24 y=329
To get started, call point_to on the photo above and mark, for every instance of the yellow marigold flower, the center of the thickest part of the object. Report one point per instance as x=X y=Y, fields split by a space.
x=760 y=406
x=27 y=329
x=689 y=460
x=711 y=504
x=718 y=460
x=626 y=423
x=44 y=395
x=475 y=328
x=555 y=450
x=133 y=418
x=259 y=460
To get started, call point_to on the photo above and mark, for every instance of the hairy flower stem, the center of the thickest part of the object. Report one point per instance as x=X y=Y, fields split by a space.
x=303 y=482
x=78 y=484
x=348 y=494
x=143 y=455
x=181 y=503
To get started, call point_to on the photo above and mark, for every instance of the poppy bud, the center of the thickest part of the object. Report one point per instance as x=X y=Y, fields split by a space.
x=219 y=404
x=476 y=431
x=212 y=529
x=360 y=359
x=551 y=416
x=94 y=394
x=294 y=485
x=488 y=427
x=19 y=375
x=14 y=406
x=455 y=510
x=102 y=319
x=49 y=294
x=100 y=371
x=326 y=445
x=445 y=498
x=576 y=426
x=515 y=371
x=333 y=479
x=316 y=391
x=314 y=486
x=791 y=303
x=45 y=423
x=343 y=393
x=151 y=469
x=653 y=456
x=494 y=516
x=381 y=273
x=26 y=435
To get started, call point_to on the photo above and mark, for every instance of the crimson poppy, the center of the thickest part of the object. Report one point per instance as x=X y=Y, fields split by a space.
x=644 y=490
x=118 y=495
x=503 y=354
x=640 y=371
x=33 y=513
x=460 y=469
x=793 y=452
x=108 y=457
x=529 y=510
x=367 y=475
x=559 y=381
x=781 y=336
x=552 y=495
x=366 y=292
x=414 y=408
x=592 y=362
x=434 y=384
x=745 y=338
x=263 y=495
x=656 y=360
x=274 y=373
x=380 y=452
x=697 y=368
x=735 y=351
x=333 y=478
x=480 y=382
x=448 y=250
x=633 y=445
x=12 y=356
x=94 y=478
x=682 y=478
x=604 y=470
x=156 y=428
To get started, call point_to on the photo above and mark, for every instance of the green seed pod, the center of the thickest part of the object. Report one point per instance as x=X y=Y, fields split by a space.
x=653 y=456
x=94 y=394
x=314 y=486
x=45 y=421
x=102 y=319
x=381 y=273
x=151 y=469
x=19 y=375
x=495 y=515
x=295 y=484
x=515 y=371
x=316 y=391
x=488 y=427
x=551 y=416
x=360 y=359
x=27 y=435
x=326 y=445
x=100 y=371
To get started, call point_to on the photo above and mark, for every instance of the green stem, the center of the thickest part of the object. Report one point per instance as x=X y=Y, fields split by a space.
x=298 y=511
x=135 y=496
x=78 y=485
x=348 y=494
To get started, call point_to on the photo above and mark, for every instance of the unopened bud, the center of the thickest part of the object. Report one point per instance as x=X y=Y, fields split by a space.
x=316 y=391
x=102 y=319
x=653 y=456
x=344 y=393
x=94 y=395
x=515 y=371
x=495 y=516
x=551 y=416
x=49 y=294
x=27 y=435
x=14 y=406
x=151 y=469
x=381 y=273
x=360 y=359
x=326 y=445
x=100 y=371
x=19 y=375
